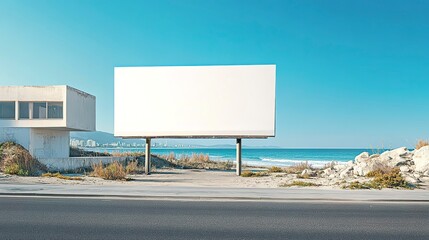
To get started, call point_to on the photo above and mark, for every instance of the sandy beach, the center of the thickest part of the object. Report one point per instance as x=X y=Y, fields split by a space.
x=192 y=178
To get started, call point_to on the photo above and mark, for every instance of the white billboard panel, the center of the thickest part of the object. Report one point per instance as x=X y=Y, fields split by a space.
x=195 y=101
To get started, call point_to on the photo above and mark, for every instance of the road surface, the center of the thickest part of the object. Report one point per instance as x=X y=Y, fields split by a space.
x=80 y=218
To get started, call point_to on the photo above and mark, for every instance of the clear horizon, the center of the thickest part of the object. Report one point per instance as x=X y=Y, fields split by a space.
x=349 y=74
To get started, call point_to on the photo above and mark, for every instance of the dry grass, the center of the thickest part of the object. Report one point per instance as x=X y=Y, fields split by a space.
x=60 y=176
x=330 y=165
x=197 y=161
x=299 y=184
x=113 y=171
x=382 y=178
x=303 y=176
x=132 y=167
x=128 y=154
x=298 y=168
x=254 y=174
x=421 y=143
x=275 y=169
x=15 y=159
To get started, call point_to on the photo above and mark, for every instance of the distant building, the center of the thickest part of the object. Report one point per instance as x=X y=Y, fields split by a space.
x=41 y=118
x=91 y=143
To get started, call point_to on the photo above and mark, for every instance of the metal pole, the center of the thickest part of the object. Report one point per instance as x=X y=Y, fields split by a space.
x=238 y=169
x=147 y=157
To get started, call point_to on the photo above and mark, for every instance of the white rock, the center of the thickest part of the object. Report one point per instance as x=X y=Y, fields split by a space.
x=411 y=179
x=416 y=175
x=421 y=159
x=339 y=167
x=328 y=171
x=346 y=172
x=358 y=170
x=308 y=172
x=332 y=176
x=361 y=157
x=426 y=173
x=396 y=157
x=404 y=168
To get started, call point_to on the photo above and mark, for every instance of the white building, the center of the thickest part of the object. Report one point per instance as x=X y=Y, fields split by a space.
x=41 y=118
x=91 y=143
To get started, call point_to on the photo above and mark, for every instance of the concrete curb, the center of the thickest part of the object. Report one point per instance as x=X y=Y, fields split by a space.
x=194 y=198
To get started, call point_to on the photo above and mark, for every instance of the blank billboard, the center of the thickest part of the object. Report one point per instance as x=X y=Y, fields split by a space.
x=195 y=101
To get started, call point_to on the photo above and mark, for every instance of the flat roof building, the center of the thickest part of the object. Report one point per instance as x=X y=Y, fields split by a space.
x=40 y=118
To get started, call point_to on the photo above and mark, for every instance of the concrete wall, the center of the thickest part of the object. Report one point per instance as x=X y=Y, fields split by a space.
x=73 y=163
x=41 y=143
x=80 y=112
x=48 y=143
x=18 y=135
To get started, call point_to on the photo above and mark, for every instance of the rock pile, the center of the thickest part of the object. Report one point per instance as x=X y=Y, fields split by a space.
x=412 y=164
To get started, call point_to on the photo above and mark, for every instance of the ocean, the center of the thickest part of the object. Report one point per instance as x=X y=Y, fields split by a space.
x=259 y=156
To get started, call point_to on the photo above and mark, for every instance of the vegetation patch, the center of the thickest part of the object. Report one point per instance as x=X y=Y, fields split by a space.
x=113 y=171
x=275 y=169
x=132 y=167
x=254 y=174
x=382 y=179
x=77 y=152
x=60 y=176
x=16 y=160
x=421 y=143
x=298 y=168
x=303 y=176
x=299 y=184
x=196 y=161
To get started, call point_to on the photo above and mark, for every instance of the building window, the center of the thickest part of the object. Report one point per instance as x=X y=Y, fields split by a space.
x=7 y=110
x=24 y=110
x=55 y=110
x=39 y=110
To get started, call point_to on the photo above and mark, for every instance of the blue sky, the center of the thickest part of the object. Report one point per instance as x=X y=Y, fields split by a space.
x=349 y=73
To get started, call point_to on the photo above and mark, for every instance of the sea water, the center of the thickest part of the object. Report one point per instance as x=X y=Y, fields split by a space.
x=258 y=156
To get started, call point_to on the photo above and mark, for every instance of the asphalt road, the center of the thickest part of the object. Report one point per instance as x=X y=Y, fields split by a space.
x=76 y=218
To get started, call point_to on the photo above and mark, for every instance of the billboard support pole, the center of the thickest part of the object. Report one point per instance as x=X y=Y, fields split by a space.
x=238 y=152
x=147 y=157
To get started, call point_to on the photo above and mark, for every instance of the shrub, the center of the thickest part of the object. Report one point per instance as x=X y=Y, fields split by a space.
x=131 y=167
x=113 y=171
x=298 y=168
x=254 y=174
x=275 y=169
x=421 y=143
x=357 y=185
x=197 y=161
x=60 y=176
x=303 y=176
x=382 y=179
x=170 y=157
x=300 y=184
x=15 y=159
x=380 y=170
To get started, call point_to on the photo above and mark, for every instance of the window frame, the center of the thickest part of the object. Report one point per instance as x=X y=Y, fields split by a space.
x=14 y=111
x=29 y=112
x=62 y=110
